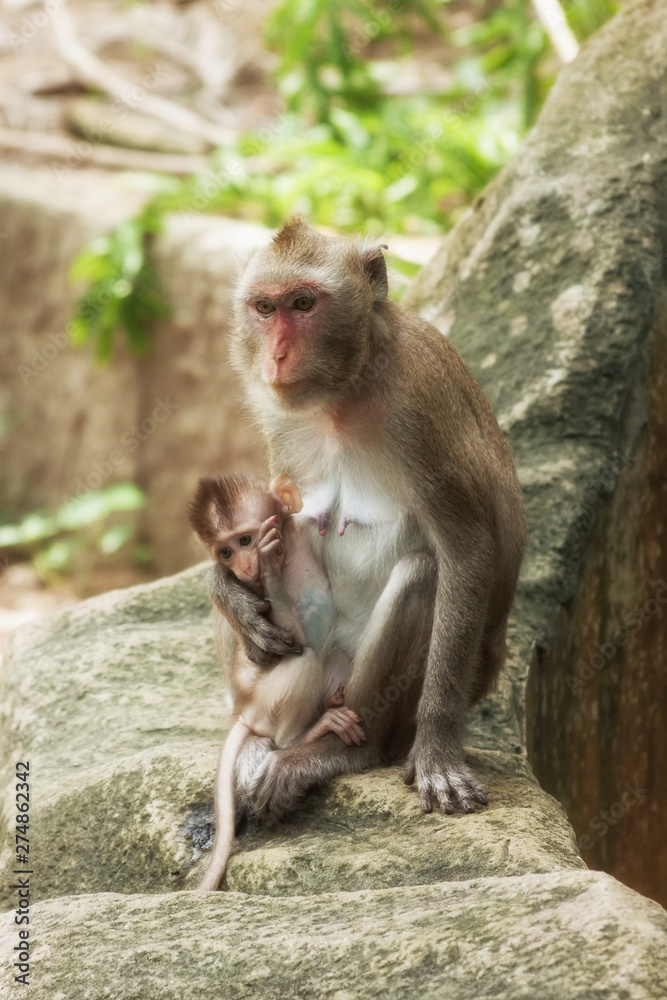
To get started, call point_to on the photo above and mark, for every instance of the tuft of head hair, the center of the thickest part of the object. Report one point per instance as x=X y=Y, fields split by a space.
x=216 y=500
x=293 y=233
x=300 y=243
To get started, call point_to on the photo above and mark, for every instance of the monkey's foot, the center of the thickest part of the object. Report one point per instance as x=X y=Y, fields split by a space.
x=286 y=776
x=448 y=786
x=279 y=786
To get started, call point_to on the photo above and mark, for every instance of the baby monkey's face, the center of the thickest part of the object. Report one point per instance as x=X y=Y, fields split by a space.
x=240 y=548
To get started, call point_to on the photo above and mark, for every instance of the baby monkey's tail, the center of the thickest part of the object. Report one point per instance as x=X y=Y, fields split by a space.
x=224 y=807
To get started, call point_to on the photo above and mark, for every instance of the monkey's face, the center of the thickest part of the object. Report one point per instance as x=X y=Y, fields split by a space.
x=298 y=345
x=286 y=321
x=304 y=310
x=237 y=549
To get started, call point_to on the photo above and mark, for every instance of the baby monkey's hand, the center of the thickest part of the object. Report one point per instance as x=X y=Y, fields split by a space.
x=270 y=547
x=339 y=719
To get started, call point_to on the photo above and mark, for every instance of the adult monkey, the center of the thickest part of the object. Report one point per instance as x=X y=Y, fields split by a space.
x=416 y=510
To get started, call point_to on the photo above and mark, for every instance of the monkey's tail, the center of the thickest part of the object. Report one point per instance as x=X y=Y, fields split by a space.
x=224 y=807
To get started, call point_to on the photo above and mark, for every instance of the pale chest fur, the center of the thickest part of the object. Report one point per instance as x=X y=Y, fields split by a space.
x=358 y=526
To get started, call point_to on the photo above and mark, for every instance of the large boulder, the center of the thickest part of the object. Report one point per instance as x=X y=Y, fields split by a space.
x=566 y=935
x=123 y=727
x=119 y=706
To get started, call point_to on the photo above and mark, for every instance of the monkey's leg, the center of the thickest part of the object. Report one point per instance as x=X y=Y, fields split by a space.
x=383 y=690
x=252 y=755
x=492 y=659
x=436 y=762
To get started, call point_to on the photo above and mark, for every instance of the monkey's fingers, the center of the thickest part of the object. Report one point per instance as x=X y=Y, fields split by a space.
x=456 y=788
x=425 y=802
x=340 y=729
x=267 y=527
x=444 y=787
x=345 y=724
x=273 y=546
x=355 y=721
x=268 y=641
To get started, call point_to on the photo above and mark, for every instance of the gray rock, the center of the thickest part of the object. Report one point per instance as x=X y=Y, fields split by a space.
x=122 y=728
x=553 y=288
x=571 y=934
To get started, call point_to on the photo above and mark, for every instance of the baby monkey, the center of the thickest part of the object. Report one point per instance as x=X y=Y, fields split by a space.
x=249 y=531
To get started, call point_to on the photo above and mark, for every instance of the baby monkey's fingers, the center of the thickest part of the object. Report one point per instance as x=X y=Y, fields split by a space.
x=272 y=546
x=271 y=524
x=346 y=724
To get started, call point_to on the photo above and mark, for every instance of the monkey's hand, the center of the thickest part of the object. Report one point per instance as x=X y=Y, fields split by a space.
x=285 y=776
x=247 y=614
x=443 y=779
x=270 y=548
x=341 y=721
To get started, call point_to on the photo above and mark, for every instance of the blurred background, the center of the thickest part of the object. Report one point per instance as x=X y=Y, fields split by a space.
x=128 y=132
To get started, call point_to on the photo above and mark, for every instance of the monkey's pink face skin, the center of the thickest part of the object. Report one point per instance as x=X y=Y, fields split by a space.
x=287 y=320
x=239 y=550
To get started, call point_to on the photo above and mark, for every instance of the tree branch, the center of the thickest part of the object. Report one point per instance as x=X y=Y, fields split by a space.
x=551 y=17
x=92 y=72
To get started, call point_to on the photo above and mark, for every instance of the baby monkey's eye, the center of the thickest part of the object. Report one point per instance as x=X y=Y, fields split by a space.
x=304 y=302
x=245 y=540
x=264 y=306
x=225 y=553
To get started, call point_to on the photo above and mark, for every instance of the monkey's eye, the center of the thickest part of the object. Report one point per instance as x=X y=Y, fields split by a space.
x=225 y=553
x=264 y=307
x=304 y=302
x=245 y=540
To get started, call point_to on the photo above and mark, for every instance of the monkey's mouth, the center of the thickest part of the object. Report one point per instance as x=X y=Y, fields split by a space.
x=287 y=386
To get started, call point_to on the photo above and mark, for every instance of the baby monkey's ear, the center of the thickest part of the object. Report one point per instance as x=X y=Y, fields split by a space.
x=287 y=492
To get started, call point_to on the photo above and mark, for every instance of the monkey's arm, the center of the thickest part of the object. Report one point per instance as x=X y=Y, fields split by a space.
x=246 y=613
x=271 y=554
x=283 y=610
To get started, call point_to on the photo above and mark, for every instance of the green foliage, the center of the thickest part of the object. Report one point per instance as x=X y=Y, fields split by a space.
x=508 y=49
x=586 y=16
x=123 y=292
x=348 y=153
x=322 y=56
x=54 y=540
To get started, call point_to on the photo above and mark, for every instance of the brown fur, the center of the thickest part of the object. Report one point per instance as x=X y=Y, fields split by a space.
x=386 y=415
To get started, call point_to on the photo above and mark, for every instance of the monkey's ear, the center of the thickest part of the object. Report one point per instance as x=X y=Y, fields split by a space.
x=287 y=492
x=375 y=267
